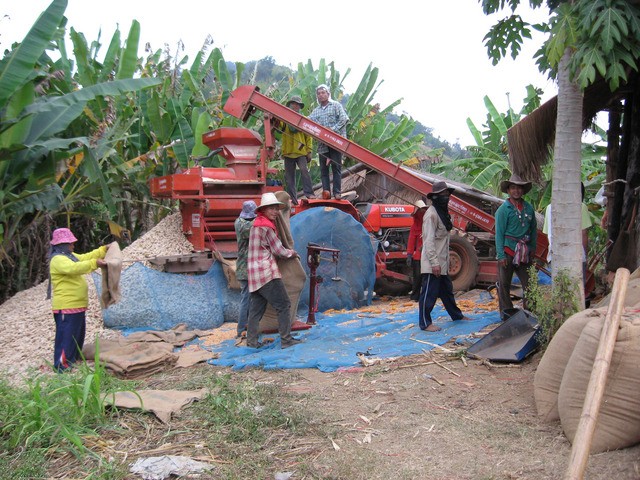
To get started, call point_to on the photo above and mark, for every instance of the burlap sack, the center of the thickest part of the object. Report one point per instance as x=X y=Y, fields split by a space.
x=618 y=424
x=291 y=269
x=546 y=382
x=632 y=296
x=229 y=270
x=111 y=277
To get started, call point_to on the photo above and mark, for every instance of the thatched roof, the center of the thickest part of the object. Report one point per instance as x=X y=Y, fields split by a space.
x=531 y=139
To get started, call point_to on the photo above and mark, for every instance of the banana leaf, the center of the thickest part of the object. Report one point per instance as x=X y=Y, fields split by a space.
x=17 y=132
x=56 y=113
x=495 y=115
x=159 y=119
x=109 y=63
x=182 y=134
x=20 y=62
x=475 y=132
x=94 y=174
x=34 y=198
x=201 y=127
x=129 y=60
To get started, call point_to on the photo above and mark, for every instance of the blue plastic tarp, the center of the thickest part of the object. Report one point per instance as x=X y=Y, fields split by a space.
x=349 y=284
x=160 y=301
x=334 y=342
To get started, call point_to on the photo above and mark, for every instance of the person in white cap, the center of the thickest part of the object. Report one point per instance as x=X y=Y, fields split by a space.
x=516 y=235
x=69 y=298
x=330 y=114
x=243 y=227
x=434 y=262
x=296 y=150
x=265 y=281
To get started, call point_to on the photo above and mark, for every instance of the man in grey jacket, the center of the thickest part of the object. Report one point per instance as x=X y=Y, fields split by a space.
x=434 y=262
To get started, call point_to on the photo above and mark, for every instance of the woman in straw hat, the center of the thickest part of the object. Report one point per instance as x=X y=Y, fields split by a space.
x=516 y=233
x=265 y=281
x=70 y=294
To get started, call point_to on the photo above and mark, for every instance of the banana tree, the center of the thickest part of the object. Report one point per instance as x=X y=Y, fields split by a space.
x=45 y=118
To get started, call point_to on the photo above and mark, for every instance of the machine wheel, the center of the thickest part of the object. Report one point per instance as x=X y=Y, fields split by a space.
x=463 y=262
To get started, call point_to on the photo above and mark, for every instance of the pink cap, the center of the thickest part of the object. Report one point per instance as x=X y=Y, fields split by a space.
x=62 y=235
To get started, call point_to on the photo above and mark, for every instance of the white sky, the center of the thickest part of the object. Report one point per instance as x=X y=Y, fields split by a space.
x=428 y=52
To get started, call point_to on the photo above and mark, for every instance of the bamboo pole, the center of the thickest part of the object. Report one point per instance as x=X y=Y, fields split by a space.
x=595 y=389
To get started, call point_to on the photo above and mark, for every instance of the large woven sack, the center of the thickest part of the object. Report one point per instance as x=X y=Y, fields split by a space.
x=632 y=296
x=618 y=424
x=293 y=274
x=546 y=382
x=110 y=294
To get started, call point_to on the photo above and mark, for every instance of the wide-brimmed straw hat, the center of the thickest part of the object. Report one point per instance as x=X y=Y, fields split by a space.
x=62 y=235
x=439 y=187
x=268 y=199
x=248 y=210
x=515 y=180
x=296 y=99
x=418 y=206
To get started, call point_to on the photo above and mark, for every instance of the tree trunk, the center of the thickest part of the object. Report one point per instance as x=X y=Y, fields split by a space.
x=566 y=197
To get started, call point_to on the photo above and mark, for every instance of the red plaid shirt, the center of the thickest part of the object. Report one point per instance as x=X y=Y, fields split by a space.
x=264 y=246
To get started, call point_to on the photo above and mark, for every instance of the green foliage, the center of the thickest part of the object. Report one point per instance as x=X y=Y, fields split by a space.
x=243 y=414
x=552 y=305
x=488 y=163
x=604 y=36
x=55 y=412
x=506 y=34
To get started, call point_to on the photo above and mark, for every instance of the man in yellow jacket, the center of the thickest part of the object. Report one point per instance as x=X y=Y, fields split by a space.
x=296 y=150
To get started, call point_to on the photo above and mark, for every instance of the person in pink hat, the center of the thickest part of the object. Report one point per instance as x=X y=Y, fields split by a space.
x=68 y=291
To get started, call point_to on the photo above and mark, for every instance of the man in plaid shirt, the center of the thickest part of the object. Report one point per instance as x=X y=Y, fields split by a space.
x=265 y=281
x=330 y=114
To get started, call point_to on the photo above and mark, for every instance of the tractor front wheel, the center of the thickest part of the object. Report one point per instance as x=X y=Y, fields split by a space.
x=463 y=262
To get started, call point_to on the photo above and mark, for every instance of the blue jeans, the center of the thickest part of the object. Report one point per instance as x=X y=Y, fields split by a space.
x=70 y=331
x=336 y=168
x=243 y=314
x=276 y=294
x=434 y=287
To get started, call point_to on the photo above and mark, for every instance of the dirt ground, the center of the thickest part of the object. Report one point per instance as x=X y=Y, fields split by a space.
x=384 y=421
x=393 y=422
x=390 y=421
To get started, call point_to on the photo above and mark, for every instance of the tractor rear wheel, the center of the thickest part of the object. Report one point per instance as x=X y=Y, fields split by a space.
x=463 y=262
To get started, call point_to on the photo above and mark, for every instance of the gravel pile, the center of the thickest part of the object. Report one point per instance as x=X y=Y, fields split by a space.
x=26 y=321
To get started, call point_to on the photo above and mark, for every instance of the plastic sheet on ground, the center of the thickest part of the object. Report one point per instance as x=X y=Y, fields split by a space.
x=334 y=342
x=159 y=301
x=355 y=274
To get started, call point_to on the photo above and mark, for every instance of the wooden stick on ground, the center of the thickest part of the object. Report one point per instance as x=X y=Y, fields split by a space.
x=595 y=389
x=440 y=364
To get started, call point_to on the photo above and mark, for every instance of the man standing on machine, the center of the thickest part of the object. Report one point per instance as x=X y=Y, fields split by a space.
x=330 y=114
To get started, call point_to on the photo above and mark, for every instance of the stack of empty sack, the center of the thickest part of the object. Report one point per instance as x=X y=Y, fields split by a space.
x=562 y=378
